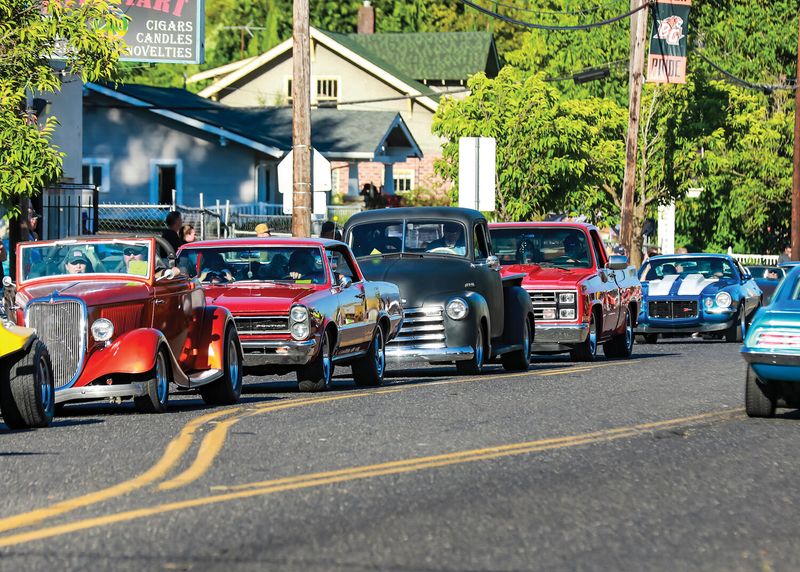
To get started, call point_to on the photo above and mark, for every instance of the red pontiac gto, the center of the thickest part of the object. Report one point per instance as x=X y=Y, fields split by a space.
x=120 y=322
x=581 y=297
x=300 y=305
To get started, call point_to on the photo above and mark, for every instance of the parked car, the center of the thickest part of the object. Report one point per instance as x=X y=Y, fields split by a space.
x=300 y=305
x=26 y=377
x=581 y=297
x=772 y=352
x=120 y=321
x=767 y=278
x=457 y=306
x=696 y=293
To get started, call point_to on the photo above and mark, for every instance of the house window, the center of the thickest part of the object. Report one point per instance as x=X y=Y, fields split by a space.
x=403 y=181
x=327 y=89
x=96 y=172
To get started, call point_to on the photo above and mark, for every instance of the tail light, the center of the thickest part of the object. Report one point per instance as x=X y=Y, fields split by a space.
x=778 y=340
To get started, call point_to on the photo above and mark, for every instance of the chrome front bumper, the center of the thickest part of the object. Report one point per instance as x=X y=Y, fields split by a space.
x=558 y=337
x=400 y=354
x=136 y=389
x=278 y=352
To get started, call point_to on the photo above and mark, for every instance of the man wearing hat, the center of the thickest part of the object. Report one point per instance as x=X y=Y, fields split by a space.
x=262 y=231
x=77 y=262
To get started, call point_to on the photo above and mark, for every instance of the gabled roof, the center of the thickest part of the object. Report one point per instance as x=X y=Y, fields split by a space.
x=337 y=134
x=434 y=56
x=346 y=48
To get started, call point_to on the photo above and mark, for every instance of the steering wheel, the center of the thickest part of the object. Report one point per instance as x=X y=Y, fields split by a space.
x=443 y=250
x=567 y=259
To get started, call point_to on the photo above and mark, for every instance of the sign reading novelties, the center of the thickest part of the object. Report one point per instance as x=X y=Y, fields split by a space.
x=163 y=31
x=667 y=60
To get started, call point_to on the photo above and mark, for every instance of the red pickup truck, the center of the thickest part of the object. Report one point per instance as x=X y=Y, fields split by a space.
x=581 y=297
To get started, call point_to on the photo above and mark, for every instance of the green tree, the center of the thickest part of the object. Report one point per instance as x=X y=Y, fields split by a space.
x=30 y=34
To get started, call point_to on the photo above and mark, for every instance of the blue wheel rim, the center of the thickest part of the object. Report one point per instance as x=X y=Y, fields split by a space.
x=162 y=381
x=233 y=365
x=380 y=352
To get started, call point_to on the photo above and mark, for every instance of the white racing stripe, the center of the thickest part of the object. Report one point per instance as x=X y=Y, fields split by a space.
x=661 y=287
x=693 y=284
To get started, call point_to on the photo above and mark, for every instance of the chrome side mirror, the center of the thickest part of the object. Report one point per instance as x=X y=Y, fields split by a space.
x=345 y=282
x=493 y=262
x=8 y=282
x=617 y=262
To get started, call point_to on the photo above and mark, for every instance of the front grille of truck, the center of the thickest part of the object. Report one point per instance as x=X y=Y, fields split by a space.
x=61 y=325
x=422 y=328
x=549 y=300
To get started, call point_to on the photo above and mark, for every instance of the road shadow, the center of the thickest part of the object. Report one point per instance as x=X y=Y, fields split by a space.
x=57 y=422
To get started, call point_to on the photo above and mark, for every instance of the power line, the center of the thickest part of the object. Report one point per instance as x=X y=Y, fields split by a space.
x=551 y=27
x=766 y=88
x=555 y=13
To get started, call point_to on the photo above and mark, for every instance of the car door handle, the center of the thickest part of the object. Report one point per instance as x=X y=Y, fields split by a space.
x=158 y=301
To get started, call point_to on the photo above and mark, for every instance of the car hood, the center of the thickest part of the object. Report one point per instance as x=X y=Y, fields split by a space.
x=91 y=292
x=690 y=285
x=255 y=297
x=420 y=279
x=538 y=276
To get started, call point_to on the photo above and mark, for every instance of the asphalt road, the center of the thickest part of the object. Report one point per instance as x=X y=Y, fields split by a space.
x=646 y=464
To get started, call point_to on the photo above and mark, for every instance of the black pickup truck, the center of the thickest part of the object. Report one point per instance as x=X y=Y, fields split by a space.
x=457 y=307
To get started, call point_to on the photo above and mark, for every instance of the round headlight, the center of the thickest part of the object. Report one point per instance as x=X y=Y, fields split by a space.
x=724 y=300
x=299 y=331
x=102 y=330
x=457 y=309
x=299 y=314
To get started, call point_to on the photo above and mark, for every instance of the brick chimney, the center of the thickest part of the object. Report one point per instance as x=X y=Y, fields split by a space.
x=366 y=18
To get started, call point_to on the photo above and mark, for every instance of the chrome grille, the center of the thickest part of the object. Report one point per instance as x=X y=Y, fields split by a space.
x=61 y=325
x=260 y=325
x=542 y=300
x=422 y=328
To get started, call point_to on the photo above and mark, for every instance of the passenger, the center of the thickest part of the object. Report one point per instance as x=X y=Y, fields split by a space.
x=453 y=239
x=716 y=268
x=188 y=234
x=277 y=269
x=133 y=255
x=214 y=269
x=669 y=269
x=77 y=262
x=574 y=249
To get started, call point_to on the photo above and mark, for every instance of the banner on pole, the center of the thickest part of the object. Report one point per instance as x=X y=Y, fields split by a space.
x=667 y=60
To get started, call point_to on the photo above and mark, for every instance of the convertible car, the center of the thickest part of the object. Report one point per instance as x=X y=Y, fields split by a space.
x=696 y=293
x=120 y=321
x=300 y=305
x=772 y=352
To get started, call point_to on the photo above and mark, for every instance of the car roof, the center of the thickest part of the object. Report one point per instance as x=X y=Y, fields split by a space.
x=541 y=224
x=690 y=255
x=447 y=213
x=271 y=241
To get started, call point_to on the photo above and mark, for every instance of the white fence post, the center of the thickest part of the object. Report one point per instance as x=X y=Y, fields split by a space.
x=202 y=219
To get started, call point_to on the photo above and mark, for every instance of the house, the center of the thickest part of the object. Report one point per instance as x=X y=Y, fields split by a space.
x=141 y=142
x=406 y=73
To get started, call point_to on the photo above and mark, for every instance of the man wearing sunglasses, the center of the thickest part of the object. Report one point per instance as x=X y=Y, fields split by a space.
x=134 y=260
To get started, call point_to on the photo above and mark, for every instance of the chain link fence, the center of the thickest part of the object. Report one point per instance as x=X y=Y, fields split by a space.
x=148 y=220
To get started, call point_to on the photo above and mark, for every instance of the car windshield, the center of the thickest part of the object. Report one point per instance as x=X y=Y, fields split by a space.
x=421 y=236
x=546 y=246
x=122 y=257
x=226 y=265
x=707 y=267
x=770 y=273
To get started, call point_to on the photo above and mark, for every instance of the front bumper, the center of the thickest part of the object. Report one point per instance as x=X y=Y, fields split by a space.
x=136 y=389
x=558 y=337
x=278 y=352
x=411 y=353
x=677 y=328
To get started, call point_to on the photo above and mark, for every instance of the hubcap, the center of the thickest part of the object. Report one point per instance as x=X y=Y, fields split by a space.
x=161 y=379
x=45 y=387
x=326 y=360
x=380 y=352
x=233 y=365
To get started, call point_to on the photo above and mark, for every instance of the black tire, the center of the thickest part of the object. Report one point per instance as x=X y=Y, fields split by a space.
x=736 y=333
x=368 y=371
x=759 y=396
x=649 y=338
x=156 y=383
x=474 y=365
x=317 y=375
x=620 y=346
x=587 y=350
x=27 y=394
x=520 y=360
x=227 y=389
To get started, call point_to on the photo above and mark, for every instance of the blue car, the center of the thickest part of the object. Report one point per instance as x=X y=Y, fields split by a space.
x=696 y=293
x=772 y=352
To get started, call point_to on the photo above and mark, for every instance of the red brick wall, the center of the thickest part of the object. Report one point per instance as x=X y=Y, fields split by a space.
x=424 y=175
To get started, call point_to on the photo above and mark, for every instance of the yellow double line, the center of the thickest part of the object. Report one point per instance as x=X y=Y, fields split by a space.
x=368 y=471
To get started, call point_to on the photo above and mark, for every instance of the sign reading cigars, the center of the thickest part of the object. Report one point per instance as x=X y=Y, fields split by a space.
x=163 y=31
x=667 y=60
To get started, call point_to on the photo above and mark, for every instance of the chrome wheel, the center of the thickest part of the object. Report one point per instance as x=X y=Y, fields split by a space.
x=628 y=331
x=479 y=349
x=162 y=379
x=743 y=323
x=380 y=352
x=592 y=336
x=45 y=387
x=234 y=365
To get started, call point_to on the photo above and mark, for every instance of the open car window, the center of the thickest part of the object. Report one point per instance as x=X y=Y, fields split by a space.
x=707 y=267
x=230 y=264
x=563 y=247
x=448 y=237
x=115 y=257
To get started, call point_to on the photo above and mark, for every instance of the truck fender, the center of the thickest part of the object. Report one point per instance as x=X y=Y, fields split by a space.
x=132 y=353
x=210 y=344
x=516 y=307
x=463 y=332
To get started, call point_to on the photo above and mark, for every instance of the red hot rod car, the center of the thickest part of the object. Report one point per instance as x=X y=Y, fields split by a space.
x=300 y=305
x=120 y=321
x=581 y=297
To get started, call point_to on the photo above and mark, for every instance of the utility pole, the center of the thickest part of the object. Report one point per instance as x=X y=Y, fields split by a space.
x=796 y=172
x=301 y=121
x=636 y=79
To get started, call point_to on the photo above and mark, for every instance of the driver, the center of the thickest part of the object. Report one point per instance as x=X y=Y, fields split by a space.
x=214 y=270
x=574 y=249
x=302 y=266
x=77 y=262
x=453 y=238
x=277 y=269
